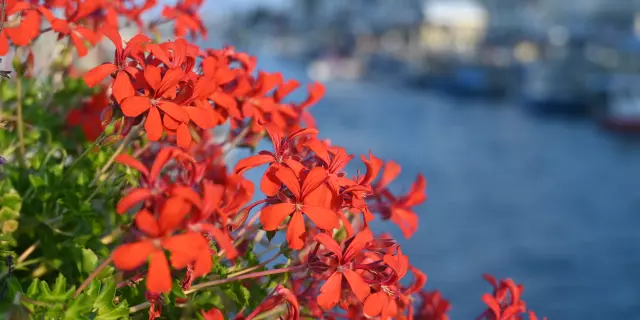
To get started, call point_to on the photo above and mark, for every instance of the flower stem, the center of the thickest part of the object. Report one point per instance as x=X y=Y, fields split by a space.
x=242 y=277
x=132 y=134
x=218 y=282
x=19 y=121
x=93 y=274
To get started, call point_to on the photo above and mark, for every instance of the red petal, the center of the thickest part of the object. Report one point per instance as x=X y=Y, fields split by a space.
x=185 y=248
x=113 y=35
x=79 y=44
x=153 y=125
x=161 y=160
x=270 y=184
x=135 y=105
x=390 y=172
x=324 y=218
x=272 y=216
x=169 y=82
x=374 y=303
x=188 y=194
x=174 y=110
x=132 y=255
x=132 y=162
x=184 y=136
x=359 y=287
x=290 y=180
x=153 y=76
x=330 y=291
x=172 y=214
x=492 y=303
x=295 y=231
x=313 y=180
x=94 y=76
x=147 y=223
x=252 y=162
x=201 y=117
x=132 y=198
x=159 y=275
x=122 y=87
x=329 y=244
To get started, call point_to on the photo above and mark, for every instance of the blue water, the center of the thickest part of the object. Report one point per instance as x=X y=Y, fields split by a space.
x=555 y=204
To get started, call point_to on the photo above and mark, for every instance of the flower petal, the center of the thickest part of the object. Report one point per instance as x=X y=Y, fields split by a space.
x=359 y=287
x=134 y=106
x=122 y=87
x=172 y=214
x=289 y=179
x=94 y=76
x=132 y=198
x=330 y=291
x=159 y=275
x=374 y=304
x=323 y=218
x=295 y=231
x=153 y=125
x=132 y=162
x=329 y=244
x=270 y=184
x=132 y=255
x=184 y=136
x=313 y=180
x=146 y=222
x=272 y=216
x=252 y=162
x=174 y=110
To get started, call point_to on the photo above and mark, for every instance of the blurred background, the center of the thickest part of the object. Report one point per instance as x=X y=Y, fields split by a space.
x=524 y=116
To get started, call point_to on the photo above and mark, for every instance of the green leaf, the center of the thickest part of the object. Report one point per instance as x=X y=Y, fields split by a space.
x=89 y=260
x=177 y=291
x=78 y=308
x=11 y=200
x=238 y=294
x=104 y=301
x=117 y=313
x=36 y=181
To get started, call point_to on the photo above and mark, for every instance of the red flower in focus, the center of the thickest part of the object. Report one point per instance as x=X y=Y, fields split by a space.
x=341 y=265
x=160 y=88
x=122 y=86
x=281 y=157
x=305 y=199
x=158 y=237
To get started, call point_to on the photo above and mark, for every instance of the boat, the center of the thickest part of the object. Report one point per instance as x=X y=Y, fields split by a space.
x=559 y=83
x=622 y=109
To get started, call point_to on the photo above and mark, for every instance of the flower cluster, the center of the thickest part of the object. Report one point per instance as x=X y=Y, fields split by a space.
x=165 y=99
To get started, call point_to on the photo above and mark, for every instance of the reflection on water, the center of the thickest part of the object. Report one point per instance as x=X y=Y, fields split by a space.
x=551 y=203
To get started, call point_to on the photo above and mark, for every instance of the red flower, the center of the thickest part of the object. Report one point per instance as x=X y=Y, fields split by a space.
x=160 y=89
x=122 y=86
x=342 y=267
x=279 y=295
x=26 y=31
x=305 y=200
x=212 y=314
x=277 y=159
x=184 y=248
x=88 y=117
